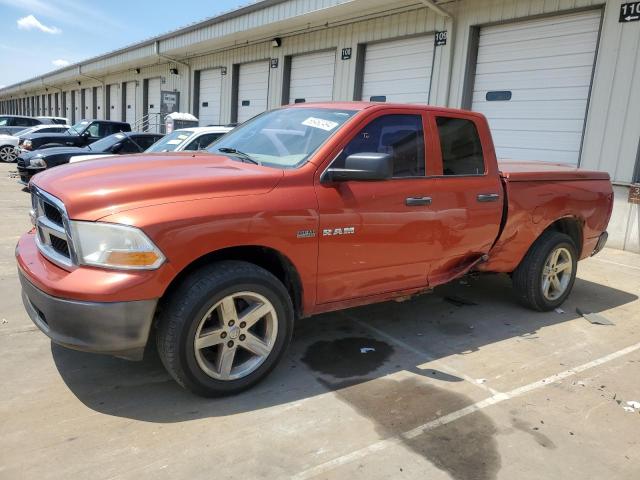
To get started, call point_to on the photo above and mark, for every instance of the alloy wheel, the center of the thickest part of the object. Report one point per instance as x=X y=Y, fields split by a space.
x=236 y=336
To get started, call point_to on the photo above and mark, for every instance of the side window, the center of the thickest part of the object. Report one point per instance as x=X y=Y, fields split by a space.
x=94 y=130
x=203 y=141
x=144 y=141
x=128 y=146
x=401 y=136
x=461 y=147
x=23 y=122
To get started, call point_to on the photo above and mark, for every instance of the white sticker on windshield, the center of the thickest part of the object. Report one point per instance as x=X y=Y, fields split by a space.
x=173 y=142
x=182 y=137
x=119 y=135
x=314 y=122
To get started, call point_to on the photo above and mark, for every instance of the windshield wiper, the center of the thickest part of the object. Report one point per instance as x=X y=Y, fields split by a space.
x=238 y=153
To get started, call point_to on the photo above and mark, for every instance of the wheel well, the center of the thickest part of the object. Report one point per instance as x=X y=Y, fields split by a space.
x=269 y=259
x=570 y=226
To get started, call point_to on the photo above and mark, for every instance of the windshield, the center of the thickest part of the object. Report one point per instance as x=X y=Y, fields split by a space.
x=106 y=143
x=170 y=142
x=26 y=131
x=77 y=128
x=283 y=138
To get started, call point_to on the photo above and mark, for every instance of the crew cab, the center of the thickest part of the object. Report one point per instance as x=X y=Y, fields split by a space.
x=30 y=163
x=305 y=209
x=82 y=133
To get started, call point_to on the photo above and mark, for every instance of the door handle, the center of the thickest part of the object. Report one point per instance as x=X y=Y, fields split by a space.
x=417 y=201
x=488 y=197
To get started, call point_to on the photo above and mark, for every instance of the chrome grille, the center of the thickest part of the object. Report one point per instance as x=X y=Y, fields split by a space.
x=53 y=232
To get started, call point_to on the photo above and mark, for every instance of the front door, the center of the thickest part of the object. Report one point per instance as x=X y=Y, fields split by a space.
x=374 y=235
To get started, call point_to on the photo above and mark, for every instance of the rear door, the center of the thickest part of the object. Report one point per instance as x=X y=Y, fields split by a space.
x=466 y=193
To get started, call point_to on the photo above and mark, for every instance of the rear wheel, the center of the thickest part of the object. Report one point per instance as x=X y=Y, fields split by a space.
x=546 y=275
x=225 y=328
x=8 y=153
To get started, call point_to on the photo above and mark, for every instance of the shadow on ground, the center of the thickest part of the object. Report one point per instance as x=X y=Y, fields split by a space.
x=325 y=353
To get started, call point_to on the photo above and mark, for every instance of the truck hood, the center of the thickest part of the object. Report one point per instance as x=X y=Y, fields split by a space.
x=48 y=152
x=58 y=136
x=92 y=190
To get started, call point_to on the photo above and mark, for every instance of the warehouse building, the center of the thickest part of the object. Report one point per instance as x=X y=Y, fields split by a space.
x=559 y=80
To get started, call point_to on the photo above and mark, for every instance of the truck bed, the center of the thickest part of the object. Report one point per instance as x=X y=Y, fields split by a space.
x=538 y=196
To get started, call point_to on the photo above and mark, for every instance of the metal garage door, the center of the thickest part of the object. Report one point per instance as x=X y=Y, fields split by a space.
x=532 y=82
x=312 y=77
x=115 y=102
x=130 y=98
x=253 y=89
x=399 y=70
x=153 y=105
x=68 y=110
x=99 y=110
x=210 y=92
x=78 y=113
x=88 y=104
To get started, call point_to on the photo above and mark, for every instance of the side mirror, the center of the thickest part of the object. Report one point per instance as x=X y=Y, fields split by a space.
x=116 y=148
x=85 y=134
x=366 y=167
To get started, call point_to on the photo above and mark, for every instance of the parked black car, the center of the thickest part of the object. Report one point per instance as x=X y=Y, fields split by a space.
x=82 y=133
x=30 y=163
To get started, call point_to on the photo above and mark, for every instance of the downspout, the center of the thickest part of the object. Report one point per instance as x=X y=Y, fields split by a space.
x=451 y=39
x=156 y=47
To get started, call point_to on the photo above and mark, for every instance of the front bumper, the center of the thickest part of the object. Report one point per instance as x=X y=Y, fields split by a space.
x=27 y=173
x=114 y=328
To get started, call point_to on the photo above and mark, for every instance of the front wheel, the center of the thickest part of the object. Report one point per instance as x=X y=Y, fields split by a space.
x=8 y=154
x=546 y=275
x=225 y=328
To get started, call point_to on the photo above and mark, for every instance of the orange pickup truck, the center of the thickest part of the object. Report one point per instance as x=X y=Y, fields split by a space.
x=301 y=210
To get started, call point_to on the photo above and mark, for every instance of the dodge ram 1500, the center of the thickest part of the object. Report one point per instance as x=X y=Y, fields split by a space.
x=301 y=210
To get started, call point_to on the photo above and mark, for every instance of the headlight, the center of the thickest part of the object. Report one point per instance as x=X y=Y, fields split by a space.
x=37 y=163
x=111 y=245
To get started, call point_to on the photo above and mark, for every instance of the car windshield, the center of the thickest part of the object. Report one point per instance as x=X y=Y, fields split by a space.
x=283 y=138
x=77 y=128
x=4 y=121
x=170 y=142
x=26 y=131
x=105 y=143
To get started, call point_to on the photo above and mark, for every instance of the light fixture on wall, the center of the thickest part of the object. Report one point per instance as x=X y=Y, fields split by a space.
x=276 y=42
x=137 y=70
x=173 y=71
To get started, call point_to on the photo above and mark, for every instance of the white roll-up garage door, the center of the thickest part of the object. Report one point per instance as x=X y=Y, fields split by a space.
x=99 y=108
x=312 y=77
x=79 y=114
x=88 y=103
x=210 y=93
x=130 y=98
x=398 y=70
x=115 y=102
x=153 y=105
x=532 y=82
x=253 y=89
x=68 y=111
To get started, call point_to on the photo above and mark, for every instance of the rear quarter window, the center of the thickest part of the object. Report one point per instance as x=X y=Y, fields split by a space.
x=460 y=146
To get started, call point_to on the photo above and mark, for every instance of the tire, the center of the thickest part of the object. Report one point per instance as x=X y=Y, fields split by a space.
x=535 y=287
x=8 y=154
x=196 y=313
